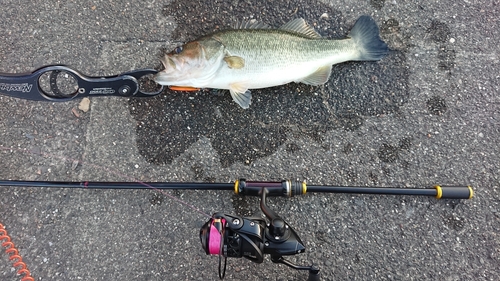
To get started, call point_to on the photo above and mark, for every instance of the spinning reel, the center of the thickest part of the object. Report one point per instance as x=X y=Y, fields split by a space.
x=251 y=238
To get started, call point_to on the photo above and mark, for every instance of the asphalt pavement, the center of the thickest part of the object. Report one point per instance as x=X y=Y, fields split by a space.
x=426 y=114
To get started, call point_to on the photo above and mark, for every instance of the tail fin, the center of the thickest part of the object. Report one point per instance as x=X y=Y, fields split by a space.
x=365 y=34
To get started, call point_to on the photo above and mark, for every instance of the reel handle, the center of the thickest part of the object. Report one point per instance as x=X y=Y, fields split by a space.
x=313 y=276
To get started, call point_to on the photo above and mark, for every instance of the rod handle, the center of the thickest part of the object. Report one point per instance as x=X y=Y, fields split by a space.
x=454 y=192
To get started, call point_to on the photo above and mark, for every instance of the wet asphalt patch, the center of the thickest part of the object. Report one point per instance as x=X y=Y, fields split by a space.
x=172 y=122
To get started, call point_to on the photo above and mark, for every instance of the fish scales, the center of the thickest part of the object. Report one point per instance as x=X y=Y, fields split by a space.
x=286 y=55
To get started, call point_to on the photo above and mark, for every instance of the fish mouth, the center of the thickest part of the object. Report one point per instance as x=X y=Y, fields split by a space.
x=168 y=62
x=161 y=78
x=176 y=72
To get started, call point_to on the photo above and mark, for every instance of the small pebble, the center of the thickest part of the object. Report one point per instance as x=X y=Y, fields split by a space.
x=84 y=105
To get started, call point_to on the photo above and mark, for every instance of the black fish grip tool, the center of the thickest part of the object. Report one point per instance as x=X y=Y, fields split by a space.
x=62 y=83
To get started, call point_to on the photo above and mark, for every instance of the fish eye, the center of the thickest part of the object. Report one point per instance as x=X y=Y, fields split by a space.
x=178 y=49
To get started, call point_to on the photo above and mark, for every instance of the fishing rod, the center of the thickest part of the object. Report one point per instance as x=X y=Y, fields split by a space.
x=234 y=236
x=284 y=188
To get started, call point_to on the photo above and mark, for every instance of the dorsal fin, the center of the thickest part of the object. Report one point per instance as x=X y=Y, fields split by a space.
x=251 y=24
x=300 y=26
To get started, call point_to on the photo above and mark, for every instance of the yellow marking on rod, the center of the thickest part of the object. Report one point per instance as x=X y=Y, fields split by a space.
x=304 y=187
x=236 y=186
x=471 y=192
x=439 y=191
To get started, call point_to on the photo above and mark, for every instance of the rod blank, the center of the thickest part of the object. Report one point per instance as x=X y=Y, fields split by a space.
x=121 y=185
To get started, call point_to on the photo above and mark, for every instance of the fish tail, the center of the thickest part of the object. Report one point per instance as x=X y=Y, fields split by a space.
x=365 y=35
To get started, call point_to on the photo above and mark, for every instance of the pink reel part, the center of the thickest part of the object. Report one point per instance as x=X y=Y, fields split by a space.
x=215 y=240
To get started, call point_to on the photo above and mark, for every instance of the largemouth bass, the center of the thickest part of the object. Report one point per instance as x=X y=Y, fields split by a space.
x=254 y=56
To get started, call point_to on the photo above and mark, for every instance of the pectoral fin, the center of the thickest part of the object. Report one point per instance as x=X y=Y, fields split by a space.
x=318 y=77
x=241 y=95
x=234 y=62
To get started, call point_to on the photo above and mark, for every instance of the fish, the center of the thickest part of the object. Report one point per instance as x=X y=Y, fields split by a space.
x=253 y=55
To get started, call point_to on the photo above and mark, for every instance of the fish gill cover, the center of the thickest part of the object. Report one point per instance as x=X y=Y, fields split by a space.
x=170 y=123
